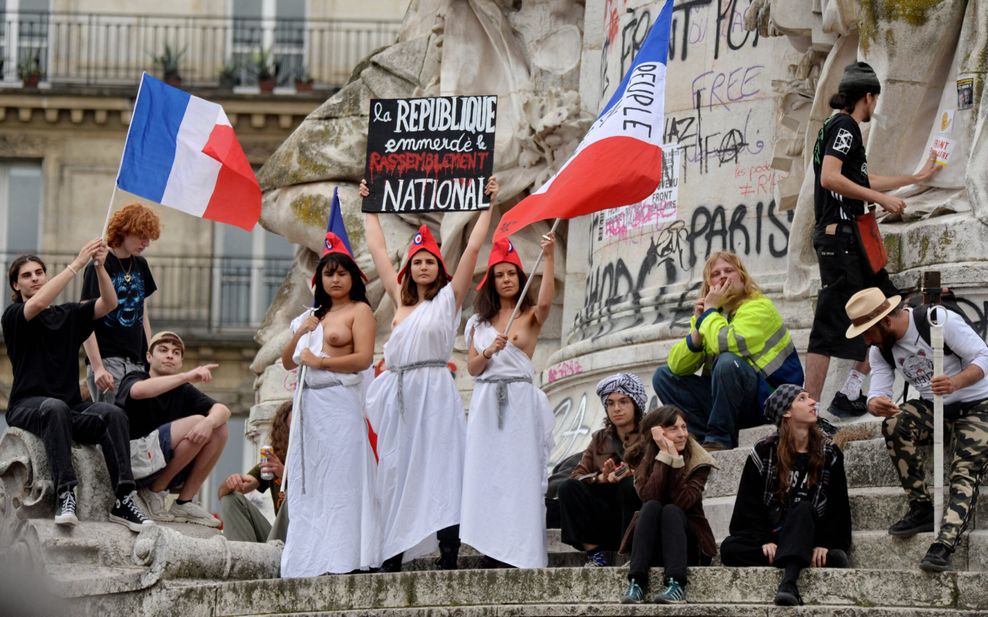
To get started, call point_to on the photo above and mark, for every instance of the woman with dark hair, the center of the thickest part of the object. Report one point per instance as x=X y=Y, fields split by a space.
x=242 y=521
x=414 y=405
x=792 y=509
x=330 y=465
x=509 y=427
x=598 y=501
x=671 y=530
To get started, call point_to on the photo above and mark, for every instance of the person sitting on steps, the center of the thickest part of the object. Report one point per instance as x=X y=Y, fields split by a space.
x=739 y=339
x=598 y=501
x=792 y=509
x=671 y=529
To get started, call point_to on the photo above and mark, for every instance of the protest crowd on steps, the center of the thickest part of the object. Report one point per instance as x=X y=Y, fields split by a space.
x=369 y=472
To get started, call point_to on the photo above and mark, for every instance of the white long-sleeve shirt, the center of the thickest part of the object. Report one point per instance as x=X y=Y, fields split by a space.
x=914 y=359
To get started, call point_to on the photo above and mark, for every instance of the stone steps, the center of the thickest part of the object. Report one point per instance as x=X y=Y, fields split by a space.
x=621 y=610
x=571 y=591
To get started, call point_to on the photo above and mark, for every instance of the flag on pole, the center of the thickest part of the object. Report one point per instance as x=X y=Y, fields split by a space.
x=619 y=161
x=181 y=152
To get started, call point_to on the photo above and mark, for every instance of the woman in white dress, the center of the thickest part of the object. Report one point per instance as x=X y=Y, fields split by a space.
x=414 y=405
x=509 y=427
x=330 y=470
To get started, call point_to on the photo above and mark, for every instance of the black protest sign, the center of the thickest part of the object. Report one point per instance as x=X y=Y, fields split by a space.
x=430 y=154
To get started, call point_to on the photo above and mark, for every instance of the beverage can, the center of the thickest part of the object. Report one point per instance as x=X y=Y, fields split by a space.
x=266 y=452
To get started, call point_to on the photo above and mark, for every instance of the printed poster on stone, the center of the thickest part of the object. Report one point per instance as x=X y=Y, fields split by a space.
x=431 y=154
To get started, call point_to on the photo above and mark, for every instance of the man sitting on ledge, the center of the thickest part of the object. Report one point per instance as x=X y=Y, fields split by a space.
x=898 y=344
x=43 y=343
x=191 y=429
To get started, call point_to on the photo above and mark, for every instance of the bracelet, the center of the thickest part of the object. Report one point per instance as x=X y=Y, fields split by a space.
x=74 y=271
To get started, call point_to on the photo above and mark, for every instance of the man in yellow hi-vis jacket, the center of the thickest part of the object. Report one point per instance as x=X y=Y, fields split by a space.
x=738 y=337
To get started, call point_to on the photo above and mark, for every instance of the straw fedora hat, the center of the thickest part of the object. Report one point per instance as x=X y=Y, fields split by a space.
x=866 y=308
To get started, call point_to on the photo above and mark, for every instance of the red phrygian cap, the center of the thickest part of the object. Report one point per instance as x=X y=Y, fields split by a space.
x=423 y=241
x=502 y=252
x=335 y=244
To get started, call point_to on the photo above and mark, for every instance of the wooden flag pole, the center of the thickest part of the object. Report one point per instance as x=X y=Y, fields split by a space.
x=528 y=283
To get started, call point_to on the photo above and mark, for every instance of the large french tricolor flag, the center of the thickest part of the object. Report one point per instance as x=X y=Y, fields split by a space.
x=619 y=161
x=181 y=152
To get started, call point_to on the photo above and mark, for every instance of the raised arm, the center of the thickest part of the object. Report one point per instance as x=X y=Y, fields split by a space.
x=379 y=251
x=548 y=287
x=50 y=290
x=468 y=261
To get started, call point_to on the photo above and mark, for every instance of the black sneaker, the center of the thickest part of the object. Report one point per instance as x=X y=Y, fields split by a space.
x=937 y=558
x=842 y=407
x=837 y=558
x=126 y=512
x=788 y=595
x=65 y=513
x=919 y=518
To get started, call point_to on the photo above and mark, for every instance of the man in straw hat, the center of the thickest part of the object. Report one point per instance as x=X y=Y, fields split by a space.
x=890 y=328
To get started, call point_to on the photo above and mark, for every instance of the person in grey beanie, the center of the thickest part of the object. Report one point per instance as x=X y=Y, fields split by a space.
x=842 y=189
x=792 y=509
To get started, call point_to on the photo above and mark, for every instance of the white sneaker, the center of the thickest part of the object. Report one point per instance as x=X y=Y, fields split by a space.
x=156 y=504
x=192 y=512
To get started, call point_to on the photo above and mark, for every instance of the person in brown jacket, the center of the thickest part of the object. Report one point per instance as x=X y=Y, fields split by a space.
x=597 y=502
x=670 y=530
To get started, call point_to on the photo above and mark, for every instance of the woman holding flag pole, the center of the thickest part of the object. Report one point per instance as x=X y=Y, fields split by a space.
x=334 y=526
x=509 y=427
x=414 y=405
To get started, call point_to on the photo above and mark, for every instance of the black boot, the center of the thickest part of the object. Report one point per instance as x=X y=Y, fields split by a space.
x=449 y=548
x=392 y=564
x=918 y=519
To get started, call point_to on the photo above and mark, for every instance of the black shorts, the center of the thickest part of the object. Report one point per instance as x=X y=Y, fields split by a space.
x=843 y=273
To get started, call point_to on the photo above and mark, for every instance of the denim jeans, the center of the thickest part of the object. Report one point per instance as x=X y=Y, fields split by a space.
x=717 y=405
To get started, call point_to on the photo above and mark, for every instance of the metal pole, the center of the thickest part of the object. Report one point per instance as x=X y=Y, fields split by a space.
x=528 y=283
x=296 y=425
x=936 y=342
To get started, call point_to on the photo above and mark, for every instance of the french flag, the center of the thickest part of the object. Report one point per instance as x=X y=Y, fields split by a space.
x=619 y=161
x=181 y=152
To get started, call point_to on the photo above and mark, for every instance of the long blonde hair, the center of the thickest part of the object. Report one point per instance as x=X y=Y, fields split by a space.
x=751 y=289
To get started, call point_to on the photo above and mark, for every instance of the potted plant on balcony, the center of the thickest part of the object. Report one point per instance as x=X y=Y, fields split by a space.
x=264 y=69
x=29 y=69
x=228 y=77
x=303 y=81
x=168 y=64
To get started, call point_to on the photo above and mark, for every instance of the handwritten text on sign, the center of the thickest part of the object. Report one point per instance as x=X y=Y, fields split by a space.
x=430 y=154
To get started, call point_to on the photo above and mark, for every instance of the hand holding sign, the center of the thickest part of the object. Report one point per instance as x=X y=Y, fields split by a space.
x=430 y=154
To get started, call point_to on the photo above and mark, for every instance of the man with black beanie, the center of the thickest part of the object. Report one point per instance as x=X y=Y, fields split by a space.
x=842 y=189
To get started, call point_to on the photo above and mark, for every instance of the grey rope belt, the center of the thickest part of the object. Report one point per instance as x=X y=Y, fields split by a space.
x=325 y=385
x=502 y=392
x=401 y=370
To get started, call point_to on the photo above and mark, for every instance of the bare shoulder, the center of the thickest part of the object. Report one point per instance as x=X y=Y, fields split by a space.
x=362 y=309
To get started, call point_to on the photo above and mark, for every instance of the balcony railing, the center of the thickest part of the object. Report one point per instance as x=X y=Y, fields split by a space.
x=196 y=294
x=104 y=49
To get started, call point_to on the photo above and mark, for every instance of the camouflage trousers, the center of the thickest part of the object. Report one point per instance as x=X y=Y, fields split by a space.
x=912 y=428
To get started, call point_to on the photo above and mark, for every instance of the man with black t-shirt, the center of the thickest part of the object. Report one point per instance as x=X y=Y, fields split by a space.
x=173 y=422
x=842 y=189
x=43 y=344
x=119 y=342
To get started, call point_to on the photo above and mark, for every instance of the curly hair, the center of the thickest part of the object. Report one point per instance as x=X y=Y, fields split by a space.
x=279 y=430
x=135 y=220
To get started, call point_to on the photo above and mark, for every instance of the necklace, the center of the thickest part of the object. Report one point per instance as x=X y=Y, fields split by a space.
x=130 y=267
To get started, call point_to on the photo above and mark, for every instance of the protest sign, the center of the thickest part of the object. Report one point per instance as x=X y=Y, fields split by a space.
x=430 y=154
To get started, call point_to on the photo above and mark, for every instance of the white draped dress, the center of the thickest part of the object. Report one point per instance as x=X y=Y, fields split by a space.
x=333 y=526
x=505 y=473
x=418 y=415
